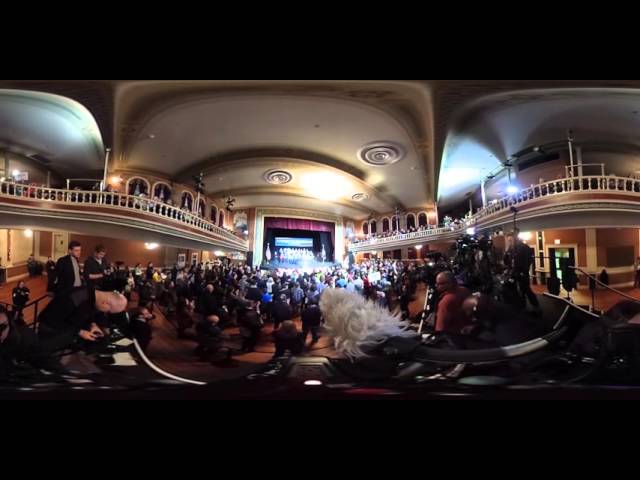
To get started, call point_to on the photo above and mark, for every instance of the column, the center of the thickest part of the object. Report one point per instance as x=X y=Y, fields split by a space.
x=592 y=251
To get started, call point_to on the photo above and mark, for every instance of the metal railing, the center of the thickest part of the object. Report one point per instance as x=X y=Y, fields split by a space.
x=118 y=201
x=551 y=189
x=34 y=303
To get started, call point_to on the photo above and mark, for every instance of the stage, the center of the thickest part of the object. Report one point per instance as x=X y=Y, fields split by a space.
x=302 y=266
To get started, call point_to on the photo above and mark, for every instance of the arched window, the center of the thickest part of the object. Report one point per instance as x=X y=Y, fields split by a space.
x=422 y=219
x=385 y=225
x=202 y=208
x=411 y=220
x=214 y=214
x=138 y=186
x=221 y=219
x=186 y=201
x=365 y=228
x=162 y=191
x=394 y=223
x=373 y=227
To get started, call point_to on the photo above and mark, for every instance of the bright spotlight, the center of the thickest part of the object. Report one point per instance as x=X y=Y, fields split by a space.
x=471 y=231
x=511 y=189
x=313 y=382
x=218 y=253
x=28 y=233
x=525 y=235
x=418 y=247
x=150 y=245
x=15 y=173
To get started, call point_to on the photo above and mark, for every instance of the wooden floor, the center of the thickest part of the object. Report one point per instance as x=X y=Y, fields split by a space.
x=38 y=288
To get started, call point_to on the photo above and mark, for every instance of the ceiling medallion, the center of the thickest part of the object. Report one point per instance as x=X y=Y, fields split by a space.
x=278 y=177
x=358 y=197
x=380 y=154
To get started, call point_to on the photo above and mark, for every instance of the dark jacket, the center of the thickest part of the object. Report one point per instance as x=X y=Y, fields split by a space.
x=20 y=296
x=281 y=311
x=92 y=267
x=312 y=316
x=67 y=314
x=64 y=274
x=285 y=341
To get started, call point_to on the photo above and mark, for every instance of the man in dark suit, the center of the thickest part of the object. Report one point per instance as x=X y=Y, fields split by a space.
x=94 y=269
x=68 y=269
x=280 y=311
x=311 y=319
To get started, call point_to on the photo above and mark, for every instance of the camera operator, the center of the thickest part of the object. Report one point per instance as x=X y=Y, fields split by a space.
x=450 y=317
x=70 y=316
x=518 y=259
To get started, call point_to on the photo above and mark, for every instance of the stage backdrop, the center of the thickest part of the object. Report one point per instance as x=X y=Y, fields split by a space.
x=323 y=233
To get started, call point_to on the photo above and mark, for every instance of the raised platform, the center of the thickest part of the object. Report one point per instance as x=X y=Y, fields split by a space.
x=304 y=266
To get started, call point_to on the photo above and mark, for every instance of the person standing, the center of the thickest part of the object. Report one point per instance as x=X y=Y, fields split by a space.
x=51 y=275
x=94 y=268
x=68 y=269
x=20 y=297
x=311 y=320
x=520 y=258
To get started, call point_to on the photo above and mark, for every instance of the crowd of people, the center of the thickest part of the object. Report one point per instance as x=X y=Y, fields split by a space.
x=206 y=301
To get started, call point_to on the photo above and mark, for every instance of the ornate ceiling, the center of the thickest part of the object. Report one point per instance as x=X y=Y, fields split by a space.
x=351 y=147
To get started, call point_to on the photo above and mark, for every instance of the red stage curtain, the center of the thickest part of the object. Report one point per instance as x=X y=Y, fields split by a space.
x=299 y=224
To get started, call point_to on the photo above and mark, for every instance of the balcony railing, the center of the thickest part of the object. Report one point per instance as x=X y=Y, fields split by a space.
x=551 y=189
x=119 y=201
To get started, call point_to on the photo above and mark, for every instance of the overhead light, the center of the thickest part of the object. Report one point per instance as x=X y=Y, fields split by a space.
x=313 y=383
x=15 y=173
x=512 y=189
x=28 y=233
x=418 y=247
x=218 y=253
x=150 y=245
x=525 y=236
x=471 y=231
x=115 y=180
x=556 y=241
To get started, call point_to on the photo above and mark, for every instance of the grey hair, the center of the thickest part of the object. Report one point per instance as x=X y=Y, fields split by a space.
x=357 y=325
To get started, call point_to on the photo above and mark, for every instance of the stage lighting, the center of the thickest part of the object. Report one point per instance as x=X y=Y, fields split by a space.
x=150 y=245
x=511 y=189
x=471 y=231
x=525 y=236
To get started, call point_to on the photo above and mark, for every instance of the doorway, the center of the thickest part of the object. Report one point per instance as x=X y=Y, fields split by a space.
x=555 y=256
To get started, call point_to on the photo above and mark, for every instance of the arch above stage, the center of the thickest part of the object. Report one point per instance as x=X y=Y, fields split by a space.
x=262 y=213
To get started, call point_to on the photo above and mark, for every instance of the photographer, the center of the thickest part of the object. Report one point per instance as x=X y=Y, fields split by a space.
x=518 y=259
x=70 y=316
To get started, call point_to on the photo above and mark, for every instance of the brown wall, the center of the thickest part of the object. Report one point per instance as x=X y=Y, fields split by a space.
x=128 y=251
x=46 y=244
x=615 y=237
x=574 y=235
x=547 y=171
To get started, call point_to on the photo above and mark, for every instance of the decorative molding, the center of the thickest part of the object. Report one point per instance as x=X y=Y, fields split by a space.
x=261 y=213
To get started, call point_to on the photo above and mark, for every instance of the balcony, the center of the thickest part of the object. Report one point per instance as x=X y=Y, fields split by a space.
x=111 y=214
x=609 y=201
